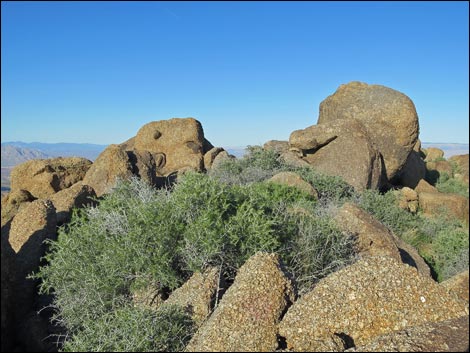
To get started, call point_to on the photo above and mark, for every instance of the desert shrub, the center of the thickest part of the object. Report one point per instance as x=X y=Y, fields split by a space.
x=451 y=185
x=130 y=329
x=259 y=164
x=441 y=241
x=138 y=235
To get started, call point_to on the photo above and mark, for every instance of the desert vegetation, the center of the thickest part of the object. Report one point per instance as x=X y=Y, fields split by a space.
x=139 y=235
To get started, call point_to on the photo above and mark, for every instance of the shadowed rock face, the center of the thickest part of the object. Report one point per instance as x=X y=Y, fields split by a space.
x=459 y=285
x=341 y=148
x=389 y=117
x=247 y=316
x=375 y=296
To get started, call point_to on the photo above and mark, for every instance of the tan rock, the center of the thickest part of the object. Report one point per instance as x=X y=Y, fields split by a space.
x=33 y=224
x=247 y=316
x=277 y=146
x=11 y=203
x=434 y=170
x=294 y=180
x=374 y=239
x=445 y=336
x=373 y=297
x=462 y=162
x=292 y=158
x=180 y=140
x=424 y=186
x=8 y=291
x=389 y=117
x=458 y=284
x=197 y=294
x=435 y=204
x=341 y=148
x=76 y=196
x=407 y=199
x=115 y=163
x=220 y=158
x=210 y=156
x=433 y=153
x=44 y=177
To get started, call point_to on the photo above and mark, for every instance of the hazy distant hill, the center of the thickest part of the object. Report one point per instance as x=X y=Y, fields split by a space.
x=86 y=150
x=450 y=149
x=12 y=155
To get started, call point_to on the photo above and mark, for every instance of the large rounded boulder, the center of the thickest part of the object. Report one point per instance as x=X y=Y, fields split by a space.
x=389 y=116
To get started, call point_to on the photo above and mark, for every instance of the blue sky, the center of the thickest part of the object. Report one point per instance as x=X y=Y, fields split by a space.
x=249 y=71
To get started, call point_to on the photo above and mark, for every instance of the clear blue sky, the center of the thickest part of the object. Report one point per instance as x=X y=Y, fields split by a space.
x=249 y=71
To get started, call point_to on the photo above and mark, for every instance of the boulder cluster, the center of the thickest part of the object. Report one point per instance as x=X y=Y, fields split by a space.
x=366 y=134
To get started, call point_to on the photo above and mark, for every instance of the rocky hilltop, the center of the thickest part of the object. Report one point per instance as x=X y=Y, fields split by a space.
x=366 y=134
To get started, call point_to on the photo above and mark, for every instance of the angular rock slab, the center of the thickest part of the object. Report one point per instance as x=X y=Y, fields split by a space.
x=373 y=297
x=247 y=316
x=389 y=116
x=341 y=148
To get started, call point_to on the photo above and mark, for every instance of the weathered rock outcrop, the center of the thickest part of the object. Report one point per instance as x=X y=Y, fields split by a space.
x=389 y=117
x=459 y=285
x=44 y=177
x=433 y=153
x=180 y=140
x=76 y=196
x=407 y=199
x=341 y=148
x=210 y=155
x=294 y=180
x=424 y=186
x=247 y=316
x=34 y=223
x=462 y=162
x=11 y=203
x=374 y=239
x=8 y=291
x=277 y=146
x=439 y=203
x=373 y=297
x=445 y=336
x=197 y=294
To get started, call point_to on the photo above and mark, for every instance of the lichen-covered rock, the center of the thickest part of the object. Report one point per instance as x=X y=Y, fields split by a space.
x=276 y=146
x=341 y=148
x=247 y=316
x=445 y=336
x=76 y=196
x=373 y=297
x=294 y=180
x=11 y=203
x=197 y=294
x=389 y=117
x=180 y=140
x=44 y=177
x=458 y=285
x=220 y=158
x=435 y=204
x=292 y=158
x=433 y=153
x=210 y=155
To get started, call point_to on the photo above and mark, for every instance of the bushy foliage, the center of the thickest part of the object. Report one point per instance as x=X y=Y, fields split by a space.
x=447 y=184
x=441 y=241
x=130 y=329
x=138 y=235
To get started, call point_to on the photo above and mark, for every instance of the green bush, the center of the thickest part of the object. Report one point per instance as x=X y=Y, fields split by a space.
x=451 y=185
x=441 y=241
x=138 y=235
x=130 y=329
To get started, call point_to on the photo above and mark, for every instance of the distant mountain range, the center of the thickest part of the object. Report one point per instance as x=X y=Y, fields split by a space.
x=85 y=150
x=12 y=155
